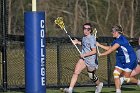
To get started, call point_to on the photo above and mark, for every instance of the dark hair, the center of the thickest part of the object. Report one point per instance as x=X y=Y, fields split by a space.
x=117 y=28
x=89 y=24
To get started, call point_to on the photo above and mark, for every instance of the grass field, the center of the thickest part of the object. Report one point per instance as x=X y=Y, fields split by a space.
x=125 y=89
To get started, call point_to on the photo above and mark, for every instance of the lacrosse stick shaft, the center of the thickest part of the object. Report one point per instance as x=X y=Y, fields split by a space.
x=95 y=34
x=72 y=41
x=59 y=21
x=98 y=50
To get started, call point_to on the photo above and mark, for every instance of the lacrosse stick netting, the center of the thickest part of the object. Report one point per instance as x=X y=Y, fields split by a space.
x=60 y=23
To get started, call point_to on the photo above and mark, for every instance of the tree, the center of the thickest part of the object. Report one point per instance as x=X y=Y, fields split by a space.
x=101 y=13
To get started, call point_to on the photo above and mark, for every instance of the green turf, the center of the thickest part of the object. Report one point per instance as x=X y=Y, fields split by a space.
x=125 y=89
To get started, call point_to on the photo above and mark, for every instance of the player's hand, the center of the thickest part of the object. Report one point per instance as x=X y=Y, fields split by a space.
x=82 y=55
x=99 y=54
x=75 y=41
x=97 y=44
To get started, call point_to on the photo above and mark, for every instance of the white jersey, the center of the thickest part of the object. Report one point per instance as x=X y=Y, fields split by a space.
x=89 y=42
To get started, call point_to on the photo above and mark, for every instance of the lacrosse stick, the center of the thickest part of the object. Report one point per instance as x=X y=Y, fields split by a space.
x=60 y=23
x=95 y=34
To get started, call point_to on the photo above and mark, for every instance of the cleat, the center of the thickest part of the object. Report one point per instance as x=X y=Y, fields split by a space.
x=118 y=92
x=99 y=88
x=61 y=89
x=66 y=90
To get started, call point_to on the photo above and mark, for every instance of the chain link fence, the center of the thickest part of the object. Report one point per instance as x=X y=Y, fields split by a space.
x=60 y=62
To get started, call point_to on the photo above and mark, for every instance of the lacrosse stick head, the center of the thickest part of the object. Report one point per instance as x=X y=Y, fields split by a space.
x=94 y=32
x=59 y=22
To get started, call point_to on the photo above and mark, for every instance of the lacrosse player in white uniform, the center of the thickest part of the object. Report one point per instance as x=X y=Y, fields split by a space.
x=88 y=59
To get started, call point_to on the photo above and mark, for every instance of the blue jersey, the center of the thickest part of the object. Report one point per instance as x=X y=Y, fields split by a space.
x=125 y=54
x=89 y=42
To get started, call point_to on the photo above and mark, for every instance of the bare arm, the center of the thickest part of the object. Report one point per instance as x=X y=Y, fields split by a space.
x=110 y=50
x=93 y=51
x=103 y=46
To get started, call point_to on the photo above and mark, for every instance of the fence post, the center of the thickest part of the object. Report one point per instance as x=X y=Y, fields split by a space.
x=4 y=46
x=109 y=69
x=58 y=64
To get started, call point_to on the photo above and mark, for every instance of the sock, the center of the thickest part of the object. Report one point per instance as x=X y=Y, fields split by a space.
x=70 y=88
x=118 y=90
x=138 y=83
x=121 y=80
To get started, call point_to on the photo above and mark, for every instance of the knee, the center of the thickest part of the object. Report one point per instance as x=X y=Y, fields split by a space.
x=116 y=74
x=92 y=76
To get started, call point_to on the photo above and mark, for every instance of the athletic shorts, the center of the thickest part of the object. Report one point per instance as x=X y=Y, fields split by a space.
x=91 y=63
x=121 y=63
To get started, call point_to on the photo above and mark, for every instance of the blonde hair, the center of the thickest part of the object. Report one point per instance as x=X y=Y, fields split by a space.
x=117 y=28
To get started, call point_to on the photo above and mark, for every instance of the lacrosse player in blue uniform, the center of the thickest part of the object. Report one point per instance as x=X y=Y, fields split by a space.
x=126 y=59
x=136 y=71
x=87 y=59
